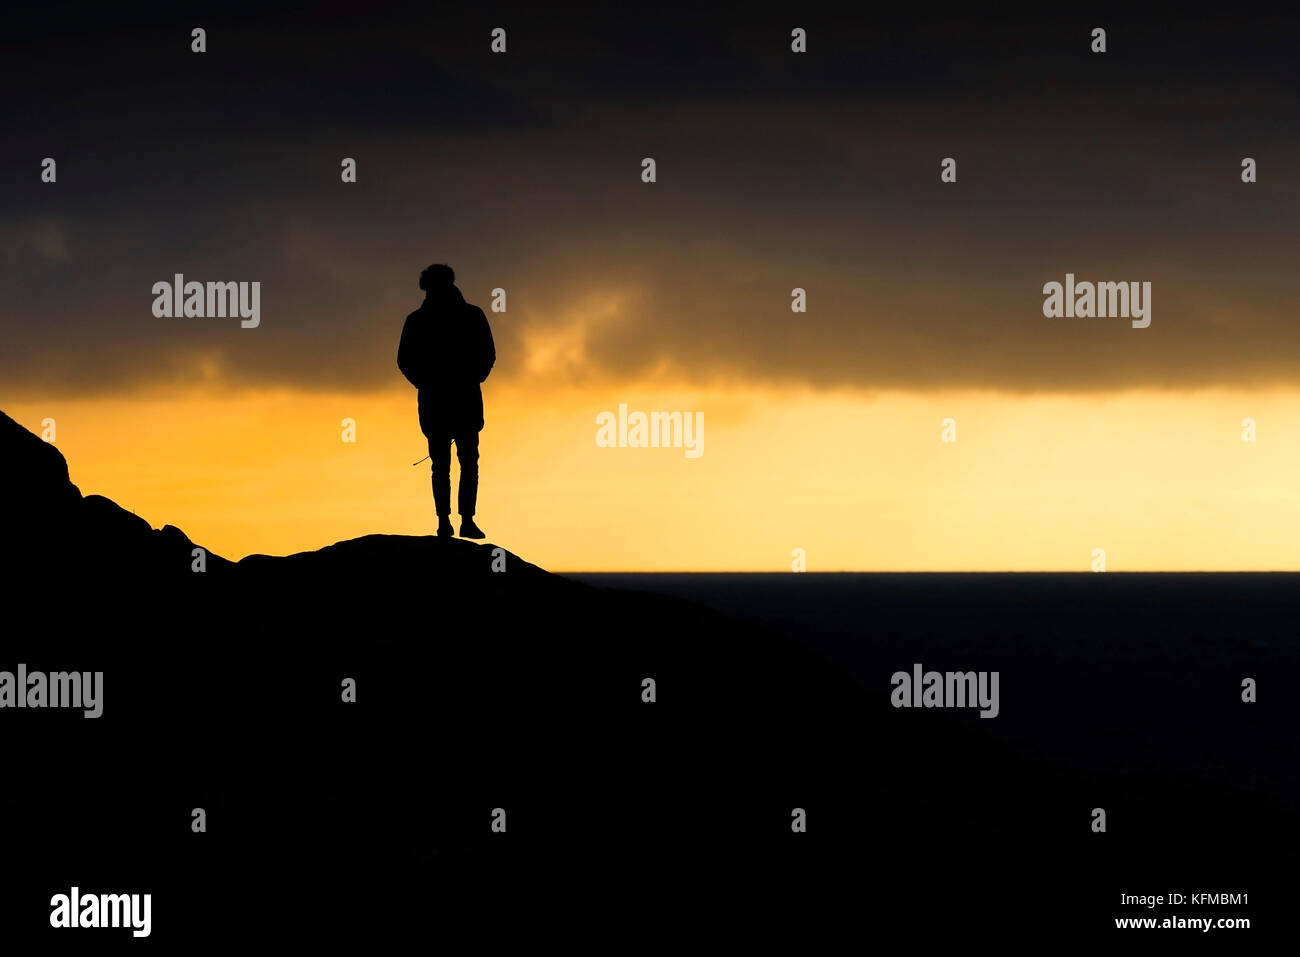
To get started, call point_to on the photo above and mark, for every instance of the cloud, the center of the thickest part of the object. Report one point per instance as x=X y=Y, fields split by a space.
x=43 y=239
x=524 y=174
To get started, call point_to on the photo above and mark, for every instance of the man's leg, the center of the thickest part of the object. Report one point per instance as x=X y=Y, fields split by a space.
x=467 y=456
x=440 y=459
x=467 y=494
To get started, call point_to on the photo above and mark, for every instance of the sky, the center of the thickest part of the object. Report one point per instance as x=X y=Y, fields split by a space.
x=823 y=430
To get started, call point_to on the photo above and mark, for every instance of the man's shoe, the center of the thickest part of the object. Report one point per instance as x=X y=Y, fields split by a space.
x=469 y=530
x=444 y=527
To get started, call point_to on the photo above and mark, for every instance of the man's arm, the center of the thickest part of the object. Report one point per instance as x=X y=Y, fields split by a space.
x=487 y=347
x=408 y=359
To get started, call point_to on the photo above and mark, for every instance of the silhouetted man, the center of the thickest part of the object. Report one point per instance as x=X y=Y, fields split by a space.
x=446 y=351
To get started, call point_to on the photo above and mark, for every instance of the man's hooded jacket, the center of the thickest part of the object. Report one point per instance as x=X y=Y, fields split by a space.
x=446 y=352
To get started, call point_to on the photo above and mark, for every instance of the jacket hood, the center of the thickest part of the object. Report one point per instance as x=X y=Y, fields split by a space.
x=447 y=294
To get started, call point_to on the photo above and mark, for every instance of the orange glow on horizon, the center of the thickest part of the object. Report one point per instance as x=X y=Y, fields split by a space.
x=1161 y=481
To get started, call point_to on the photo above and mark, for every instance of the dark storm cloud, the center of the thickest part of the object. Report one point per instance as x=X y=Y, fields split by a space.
x=775 y=171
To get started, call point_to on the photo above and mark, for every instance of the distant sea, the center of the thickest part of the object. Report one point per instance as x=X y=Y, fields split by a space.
x=1117 y=672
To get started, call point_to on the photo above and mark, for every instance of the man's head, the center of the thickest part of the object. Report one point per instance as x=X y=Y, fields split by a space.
x=438 y=276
